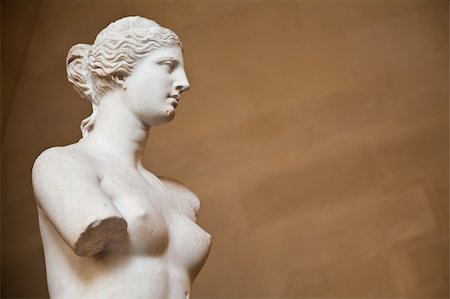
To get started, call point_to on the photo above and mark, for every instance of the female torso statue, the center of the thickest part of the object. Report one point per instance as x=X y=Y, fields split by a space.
x=110 y=228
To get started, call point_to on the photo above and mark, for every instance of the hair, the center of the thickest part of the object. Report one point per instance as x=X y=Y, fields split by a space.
x=96 y=69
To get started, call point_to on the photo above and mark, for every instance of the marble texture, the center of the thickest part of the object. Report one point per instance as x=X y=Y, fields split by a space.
x=110 y=228
x=352 y=156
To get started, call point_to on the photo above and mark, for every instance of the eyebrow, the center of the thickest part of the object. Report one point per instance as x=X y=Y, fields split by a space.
x=167 y=58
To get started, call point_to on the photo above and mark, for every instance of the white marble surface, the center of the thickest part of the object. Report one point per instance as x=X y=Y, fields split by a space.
x=110 y=228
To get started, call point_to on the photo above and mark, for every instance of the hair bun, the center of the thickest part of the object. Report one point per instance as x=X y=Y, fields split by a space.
x=78 y=70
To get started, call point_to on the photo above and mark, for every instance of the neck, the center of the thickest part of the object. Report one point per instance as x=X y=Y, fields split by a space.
x=117 y=134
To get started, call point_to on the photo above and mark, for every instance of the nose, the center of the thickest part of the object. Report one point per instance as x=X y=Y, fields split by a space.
x=181 y=82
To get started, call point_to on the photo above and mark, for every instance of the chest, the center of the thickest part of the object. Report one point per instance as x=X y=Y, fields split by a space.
x=157 y=217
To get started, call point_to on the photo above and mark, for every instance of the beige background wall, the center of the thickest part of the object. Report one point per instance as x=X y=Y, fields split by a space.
x=315 y=133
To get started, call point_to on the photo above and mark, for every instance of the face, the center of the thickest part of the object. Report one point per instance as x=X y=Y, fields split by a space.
x=153 y=88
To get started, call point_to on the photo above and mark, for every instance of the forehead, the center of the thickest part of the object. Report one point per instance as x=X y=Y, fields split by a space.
x=173 y=52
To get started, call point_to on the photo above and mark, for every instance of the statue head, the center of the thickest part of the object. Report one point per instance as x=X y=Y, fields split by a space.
x=97 y=69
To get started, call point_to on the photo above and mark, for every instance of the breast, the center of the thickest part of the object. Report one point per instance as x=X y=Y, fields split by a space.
x=189 y=244
x=147 y=232
x=161 y=221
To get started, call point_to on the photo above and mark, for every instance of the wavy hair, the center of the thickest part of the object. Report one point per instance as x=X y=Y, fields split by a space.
x=96 y=69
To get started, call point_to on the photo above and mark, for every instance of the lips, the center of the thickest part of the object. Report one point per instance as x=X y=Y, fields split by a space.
x=173 y=100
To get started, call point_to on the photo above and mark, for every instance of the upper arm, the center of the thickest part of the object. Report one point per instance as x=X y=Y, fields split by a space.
x=68 y=192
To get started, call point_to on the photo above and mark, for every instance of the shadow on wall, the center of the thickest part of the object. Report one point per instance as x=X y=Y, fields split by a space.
x=314 y=133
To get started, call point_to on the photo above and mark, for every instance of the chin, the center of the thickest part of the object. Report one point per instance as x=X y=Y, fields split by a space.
x=165 y=117
x=169 y=114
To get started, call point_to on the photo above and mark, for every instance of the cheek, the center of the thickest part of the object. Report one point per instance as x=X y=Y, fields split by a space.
x=154 y=85
x=148 y=86
x=140 y=89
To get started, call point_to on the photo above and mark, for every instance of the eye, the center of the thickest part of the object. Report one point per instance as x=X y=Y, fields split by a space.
x=169 y=64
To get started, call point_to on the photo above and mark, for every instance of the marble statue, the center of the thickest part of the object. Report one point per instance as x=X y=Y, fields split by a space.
x=110 y=228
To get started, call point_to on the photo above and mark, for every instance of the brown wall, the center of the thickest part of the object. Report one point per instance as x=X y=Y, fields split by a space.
x=315 y=133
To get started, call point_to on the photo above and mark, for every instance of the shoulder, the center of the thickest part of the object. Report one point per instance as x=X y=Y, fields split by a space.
x=182 y=193
x=59 y=159
x=65 y=173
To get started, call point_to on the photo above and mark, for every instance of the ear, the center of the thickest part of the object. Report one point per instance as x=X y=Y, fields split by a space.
x=120 y=80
